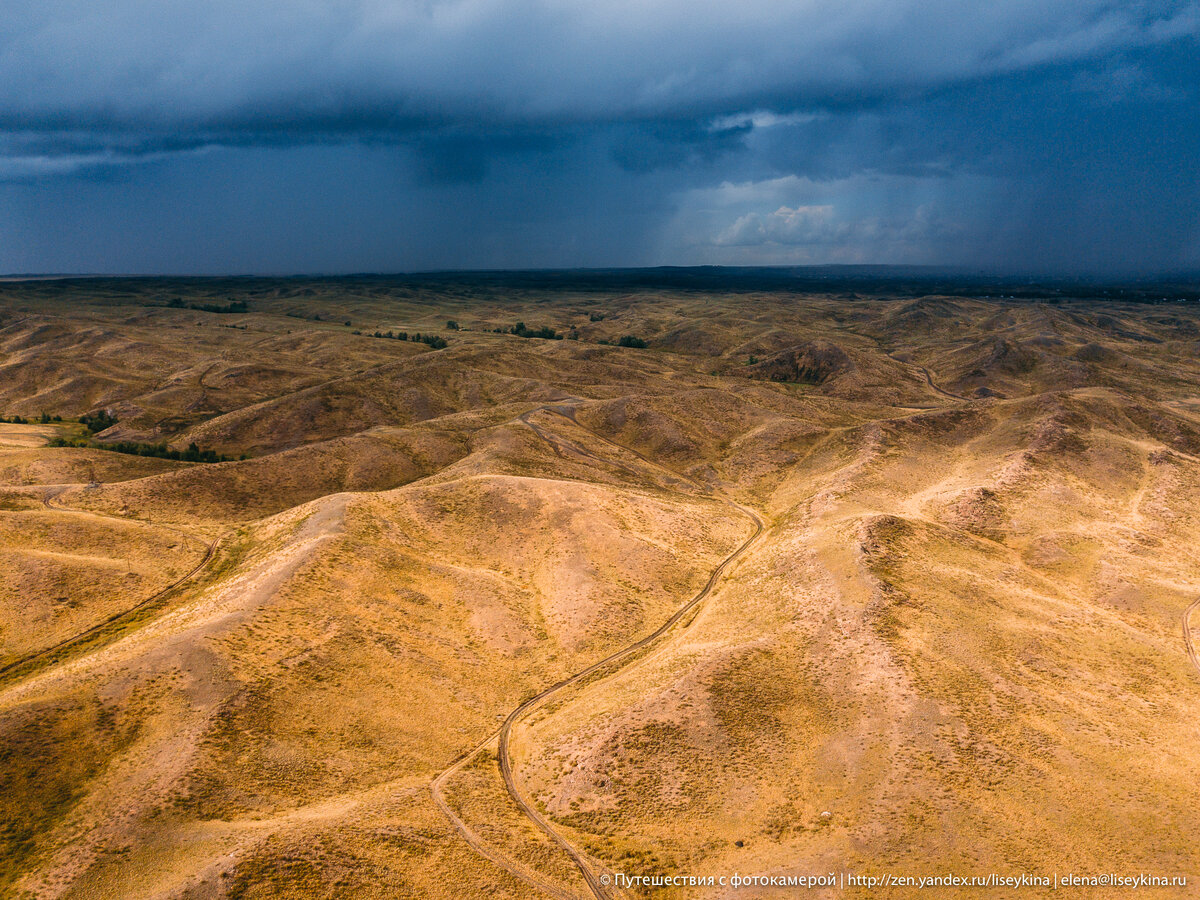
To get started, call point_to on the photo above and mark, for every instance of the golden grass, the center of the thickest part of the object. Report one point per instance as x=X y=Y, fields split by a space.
x=959 y=635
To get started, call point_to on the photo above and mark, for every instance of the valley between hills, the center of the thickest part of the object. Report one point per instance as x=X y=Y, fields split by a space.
x=496 y=586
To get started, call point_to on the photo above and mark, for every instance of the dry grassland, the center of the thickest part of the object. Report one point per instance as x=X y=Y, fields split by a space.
x=957 y=643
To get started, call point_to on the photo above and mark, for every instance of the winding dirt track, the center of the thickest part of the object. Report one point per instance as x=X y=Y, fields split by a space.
x=598 y=888
x=209 y=552
x=929 y=380
x=1189 y=643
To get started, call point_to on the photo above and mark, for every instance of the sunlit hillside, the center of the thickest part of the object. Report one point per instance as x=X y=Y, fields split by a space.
x=625 y=578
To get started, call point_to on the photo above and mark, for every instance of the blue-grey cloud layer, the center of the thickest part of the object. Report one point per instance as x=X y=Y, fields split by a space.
x=380 y=135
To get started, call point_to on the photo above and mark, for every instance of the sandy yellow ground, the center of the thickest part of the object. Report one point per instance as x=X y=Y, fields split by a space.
x=957 y=644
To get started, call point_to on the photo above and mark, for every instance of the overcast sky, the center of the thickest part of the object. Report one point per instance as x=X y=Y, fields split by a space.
x=388 y=135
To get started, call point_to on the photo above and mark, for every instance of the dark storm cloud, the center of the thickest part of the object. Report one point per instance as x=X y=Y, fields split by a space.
x=296 y=65
x=1005 y=133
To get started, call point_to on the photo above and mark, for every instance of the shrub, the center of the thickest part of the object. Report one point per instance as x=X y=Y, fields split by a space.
x=160 y=451
x=630 y=340
x=437 y=342
x=97 y=421
x=545 y=332
x=233 y=306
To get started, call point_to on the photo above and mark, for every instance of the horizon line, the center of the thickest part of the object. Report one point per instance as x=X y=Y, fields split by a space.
x=878 y=269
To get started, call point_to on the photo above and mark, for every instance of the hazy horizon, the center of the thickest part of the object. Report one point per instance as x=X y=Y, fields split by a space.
x=882 y=271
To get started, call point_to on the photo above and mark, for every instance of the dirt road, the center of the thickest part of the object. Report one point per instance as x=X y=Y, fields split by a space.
x=1189 y=643
x=17 y=667
x=929 y=380
x=596 y=883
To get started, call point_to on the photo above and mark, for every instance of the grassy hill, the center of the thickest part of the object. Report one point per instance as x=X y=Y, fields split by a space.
x=957 y=642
